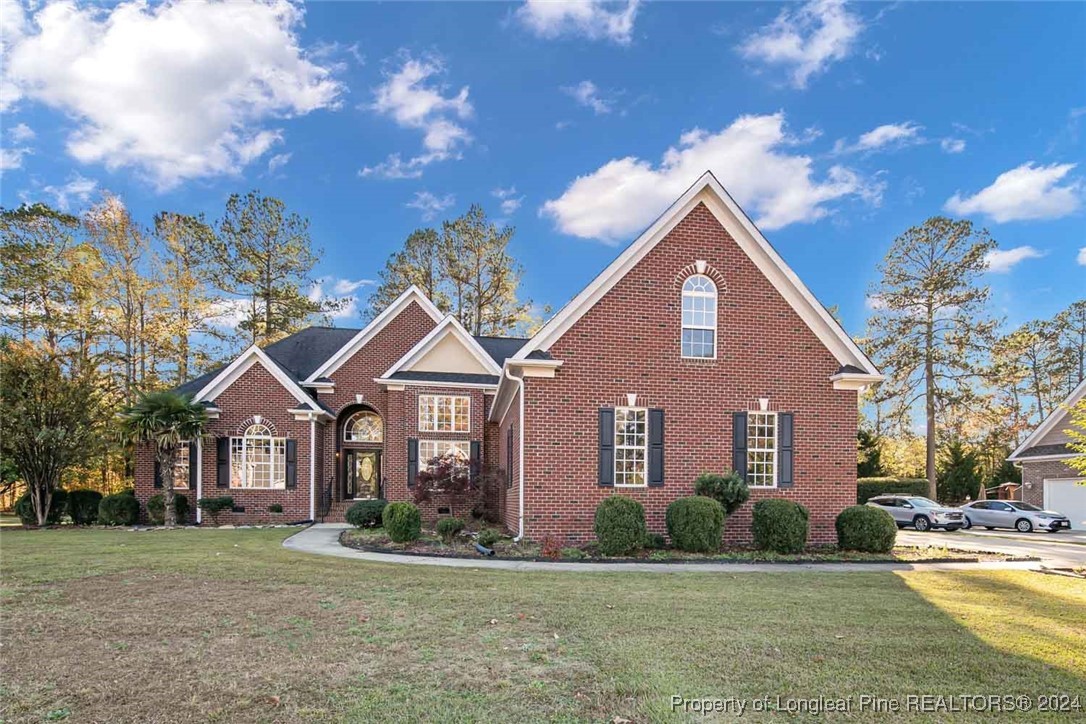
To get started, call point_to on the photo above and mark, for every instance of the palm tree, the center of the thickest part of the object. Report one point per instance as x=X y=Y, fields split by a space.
x=165 y=419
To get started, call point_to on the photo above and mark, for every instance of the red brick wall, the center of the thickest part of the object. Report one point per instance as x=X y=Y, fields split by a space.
x=510 y=497
x=1035 y=473
x=629 y=342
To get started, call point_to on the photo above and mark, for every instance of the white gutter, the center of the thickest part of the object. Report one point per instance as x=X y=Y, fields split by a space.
x=313 y=468
x=520 y=455
x=199 y=477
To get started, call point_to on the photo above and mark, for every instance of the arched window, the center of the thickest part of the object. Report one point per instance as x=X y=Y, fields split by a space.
x=258 y=459
x=363 y=426
x=699 y=317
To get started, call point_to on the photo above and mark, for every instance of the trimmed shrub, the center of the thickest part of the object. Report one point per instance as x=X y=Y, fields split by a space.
x=449 y=528
x=488 y=537
x=573 y=554
x=655 y=542
x=83 y=506
x=620 y=525
x=867 y=488
x=402 y=521
x=366 y=513
x=695 y=524
x=779 y=525
x=865 y=528
x=275 y=508
x=215 y=506
x=128 y=491
x=24 y=508
x=156 y=508
x=729 y=490
x=118 y=509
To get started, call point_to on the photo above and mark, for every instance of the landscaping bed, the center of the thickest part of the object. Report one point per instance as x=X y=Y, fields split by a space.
x=462 y=546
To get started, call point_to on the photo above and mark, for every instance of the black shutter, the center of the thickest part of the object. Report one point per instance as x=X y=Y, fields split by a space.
x=222 y=462
x=785 y=425
x=194 y=465
x=656 y=448
x=476 y=460
x=292 y=463
x=739 y=443
x=509 y=458
x=412 y=461
x=607 y=447
x=158 y=472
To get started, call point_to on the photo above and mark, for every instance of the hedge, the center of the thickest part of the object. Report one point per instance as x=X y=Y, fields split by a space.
x=867 y=488
x=695 y=524
x=118 y=509
x=619 y=525
x=83 y=506
x=24 y=508
x=402 y=522
x=156 y=508
x=779 y=525
x=449 y=528
x=865 y=528
x=729 y=490
x=366 y=513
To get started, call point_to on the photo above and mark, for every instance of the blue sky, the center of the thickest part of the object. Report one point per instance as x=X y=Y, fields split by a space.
x=835 y=125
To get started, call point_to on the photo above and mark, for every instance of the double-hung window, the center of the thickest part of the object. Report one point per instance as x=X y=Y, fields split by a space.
x=699 y=317
x=258 y=459
x=445 y=413
x=181 y=466
x=631 y=446
x=762 y=449
x=430 y=449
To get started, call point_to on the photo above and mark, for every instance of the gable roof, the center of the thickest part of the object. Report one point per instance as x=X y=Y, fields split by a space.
x=254 y=355
x=449 y=326
x=359 y=340
x=709 y=191
x=1029 y=447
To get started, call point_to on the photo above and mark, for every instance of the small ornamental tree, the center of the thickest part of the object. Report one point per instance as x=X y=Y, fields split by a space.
x=165 y=420
x=729 y=490
x=1077 y=433
x=461 y=484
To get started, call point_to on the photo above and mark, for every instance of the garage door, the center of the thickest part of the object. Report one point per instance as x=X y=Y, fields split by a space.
x=1064 y=496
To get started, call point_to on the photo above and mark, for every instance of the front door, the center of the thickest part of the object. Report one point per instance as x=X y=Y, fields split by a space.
x=363 y=474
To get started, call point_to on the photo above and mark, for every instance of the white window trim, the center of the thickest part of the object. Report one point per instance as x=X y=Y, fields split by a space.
x=644 y=449
x=715 y=295
x=435 y=428
x=274 y=441
x=775 y=450
x=178 y=457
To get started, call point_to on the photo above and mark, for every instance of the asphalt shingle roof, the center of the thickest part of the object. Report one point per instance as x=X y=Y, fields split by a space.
x=1038 y=450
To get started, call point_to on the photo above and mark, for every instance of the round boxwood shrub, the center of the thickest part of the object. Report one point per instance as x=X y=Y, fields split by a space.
x=779 y=525
x=729 y=490
x=488 y=537
x=695 y=524
x=366 y=513
x=24 y=508
x=156 y=509
x=620 y=525
x=402 y=521
x=83 y=506
x=864 y=528
x=449 y=528
x=118 y=509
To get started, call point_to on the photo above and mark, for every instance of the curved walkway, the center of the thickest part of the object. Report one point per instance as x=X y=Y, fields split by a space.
x=323 y=539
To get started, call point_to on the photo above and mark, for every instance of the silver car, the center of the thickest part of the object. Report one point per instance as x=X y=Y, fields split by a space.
x=1023 y=517
x=921 y=513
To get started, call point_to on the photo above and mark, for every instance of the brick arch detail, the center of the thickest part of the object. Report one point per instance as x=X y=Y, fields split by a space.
x=709 y=270
x=249 y=421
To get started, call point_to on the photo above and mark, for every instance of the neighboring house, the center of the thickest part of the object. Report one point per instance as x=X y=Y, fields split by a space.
x=696 y=350
x=1047 y=479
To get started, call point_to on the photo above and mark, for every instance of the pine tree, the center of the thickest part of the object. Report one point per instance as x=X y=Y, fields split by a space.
x=1071 y=324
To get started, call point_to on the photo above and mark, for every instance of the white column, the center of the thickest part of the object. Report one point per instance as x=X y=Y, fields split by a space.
x=313 y=468
x=199 y=477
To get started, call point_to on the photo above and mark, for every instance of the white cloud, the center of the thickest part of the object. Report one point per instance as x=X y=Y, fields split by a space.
x=408 y=98
x=510 y=202
x=177 y=90
x=342 y=287
x=885 y=137
x=78 y=188
x=429 y=204
x=278 y=161
x=806 y=40
x=752 y=158
x=12 y=158
x=1081 y=258
x=952 y=145
x=342 y=291
x=874 y=302
x=592 y=19
x=587 y=94
x=21 y=133
x=1001 y=261
x=1025 y=192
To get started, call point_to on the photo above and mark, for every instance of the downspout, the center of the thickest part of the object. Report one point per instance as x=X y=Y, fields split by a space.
x=520 y=454
x=313 y=468
x=199 y=478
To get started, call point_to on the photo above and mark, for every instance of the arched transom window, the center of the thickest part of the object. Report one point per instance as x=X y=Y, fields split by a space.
x=363 y=426
x=699 y=317
x=258 y=459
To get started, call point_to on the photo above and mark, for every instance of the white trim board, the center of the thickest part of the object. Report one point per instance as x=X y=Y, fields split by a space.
x=709 y=191
x=244 y=362
x=448 y=325
x=412 y=294
x=1054 y=418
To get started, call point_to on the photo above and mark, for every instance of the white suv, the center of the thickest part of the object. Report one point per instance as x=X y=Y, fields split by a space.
x=921 y=513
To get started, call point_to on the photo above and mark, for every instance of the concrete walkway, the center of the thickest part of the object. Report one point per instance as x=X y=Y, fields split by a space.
x=323 y=539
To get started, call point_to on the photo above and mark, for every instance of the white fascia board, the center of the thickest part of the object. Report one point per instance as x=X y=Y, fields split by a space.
x=434 y=383
x=248 y=358
x=854 y=380
x=730 y=216
x=412 y=294
x=448 y=325
x=1040 y=458
x=1053 y=419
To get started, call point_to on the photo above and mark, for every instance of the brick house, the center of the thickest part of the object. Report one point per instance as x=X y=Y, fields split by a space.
x=697 y=349
x=1047 y=479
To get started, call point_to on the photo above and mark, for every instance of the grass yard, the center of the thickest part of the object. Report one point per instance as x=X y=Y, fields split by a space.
x=196 y=625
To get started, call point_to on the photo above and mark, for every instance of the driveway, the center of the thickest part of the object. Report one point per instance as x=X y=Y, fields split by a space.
x=1056 y=550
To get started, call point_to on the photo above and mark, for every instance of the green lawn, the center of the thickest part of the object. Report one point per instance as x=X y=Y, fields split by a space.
x=195 y=625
